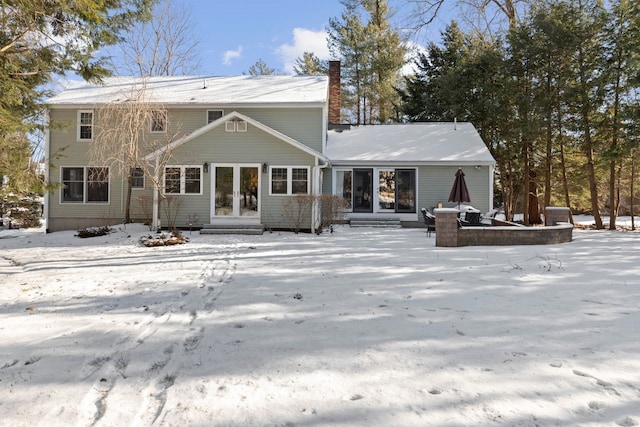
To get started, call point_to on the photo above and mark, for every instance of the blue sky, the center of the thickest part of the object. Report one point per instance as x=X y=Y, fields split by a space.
x=235 y=34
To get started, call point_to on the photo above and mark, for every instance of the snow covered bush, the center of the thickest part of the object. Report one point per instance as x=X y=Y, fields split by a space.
x=173 y=238
x=94 y=231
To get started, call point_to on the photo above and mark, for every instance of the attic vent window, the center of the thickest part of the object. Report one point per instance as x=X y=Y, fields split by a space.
x=235 y=126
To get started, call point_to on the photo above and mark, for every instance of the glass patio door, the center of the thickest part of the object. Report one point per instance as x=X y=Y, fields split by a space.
x=236 y=191
x=363 y=194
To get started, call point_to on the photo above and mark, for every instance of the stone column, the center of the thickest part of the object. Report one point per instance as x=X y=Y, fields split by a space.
x=554 y=215
x=446 y=227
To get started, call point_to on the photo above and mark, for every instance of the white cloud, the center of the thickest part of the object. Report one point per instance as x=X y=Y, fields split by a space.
x=229 y=56
x=413 y=50
x=304 y=40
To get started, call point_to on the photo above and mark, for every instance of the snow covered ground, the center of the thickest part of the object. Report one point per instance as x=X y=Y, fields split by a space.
x=362 y=327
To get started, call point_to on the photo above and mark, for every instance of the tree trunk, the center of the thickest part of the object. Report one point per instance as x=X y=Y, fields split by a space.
x=613 y=199
x=527 y=184
x=534 y=205
x=631 y=189
x=565 y=181
x=127 y=201
x=585 y=111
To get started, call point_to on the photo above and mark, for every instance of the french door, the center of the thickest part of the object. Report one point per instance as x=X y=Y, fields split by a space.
x=235 y=191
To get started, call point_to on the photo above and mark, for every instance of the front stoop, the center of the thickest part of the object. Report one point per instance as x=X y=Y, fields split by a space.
x=376 y=222
x=249 y=229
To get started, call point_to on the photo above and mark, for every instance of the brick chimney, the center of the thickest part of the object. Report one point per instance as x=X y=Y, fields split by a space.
x=334 y=93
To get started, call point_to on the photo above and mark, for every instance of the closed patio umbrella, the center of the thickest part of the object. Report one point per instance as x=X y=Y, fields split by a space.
x=459 y=192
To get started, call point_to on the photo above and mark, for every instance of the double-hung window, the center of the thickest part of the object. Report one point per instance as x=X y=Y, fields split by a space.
x=85 y=185
x=183 y=180
x=288 y=180
x=137 y=178
x=85 y=125
x=158 y=121
x=213 y=115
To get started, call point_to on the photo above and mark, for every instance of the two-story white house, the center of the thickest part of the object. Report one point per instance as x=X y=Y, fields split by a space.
x=242 y=147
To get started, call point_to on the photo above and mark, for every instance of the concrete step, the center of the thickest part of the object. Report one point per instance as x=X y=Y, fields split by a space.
x=375 y=222
x=246 y=229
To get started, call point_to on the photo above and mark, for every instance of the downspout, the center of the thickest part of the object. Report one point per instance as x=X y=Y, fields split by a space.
x=317 y=191
x=492 y=170
x=155 y=222
x=47 y=142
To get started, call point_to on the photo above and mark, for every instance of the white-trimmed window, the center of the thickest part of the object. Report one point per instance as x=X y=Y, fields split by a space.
x=213 y=115
x=84 y=184
x=288 y=180
x=158 y=121
x=235 y=126
x=85 y=125
x=182 y=180
x=137 y=178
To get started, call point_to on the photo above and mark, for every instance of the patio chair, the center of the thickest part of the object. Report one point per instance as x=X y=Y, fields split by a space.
x=473 y=218
x=429 y=220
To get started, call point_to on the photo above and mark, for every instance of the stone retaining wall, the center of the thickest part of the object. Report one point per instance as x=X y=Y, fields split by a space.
x=448 y=234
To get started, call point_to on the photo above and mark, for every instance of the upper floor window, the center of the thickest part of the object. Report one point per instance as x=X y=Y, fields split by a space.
x=183 y=180
x=213 y=115
x=85 y=125
x=85 y=185
x=288 y=180
x=158 y=121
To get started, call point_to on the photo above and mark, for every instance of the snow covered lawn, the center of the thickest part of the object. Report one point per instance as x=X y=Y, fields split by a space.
x=363 y=327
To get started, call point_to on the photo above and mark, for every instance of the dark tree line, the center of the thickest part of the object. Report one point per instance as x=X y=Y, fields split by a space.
x=555 y=98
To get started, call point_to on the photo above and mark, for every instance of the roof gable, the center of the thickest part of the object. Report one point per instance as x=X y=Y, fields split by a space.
x=235 y=115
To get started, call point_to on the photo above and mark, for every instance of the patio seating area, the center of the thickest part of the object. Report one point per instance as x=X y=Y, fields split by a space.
x=451 y=231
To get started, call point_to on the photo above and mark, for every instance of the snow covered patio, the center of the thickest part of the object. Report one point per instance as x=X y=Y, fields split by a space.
x=362 y=327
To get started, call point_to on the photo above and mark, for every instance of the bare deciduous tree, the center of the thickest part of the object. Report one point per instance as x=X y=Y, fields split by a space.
x=163 y=46
x=483 y=16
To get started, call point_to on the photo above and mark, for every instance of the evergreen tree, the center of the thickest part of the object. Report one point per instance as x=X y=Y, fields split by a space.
x=621 y=71
x=372 y=55
x=260 y=68
x=387 y=59
x=40 y=39
x=349 y=42
x=310 y=65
